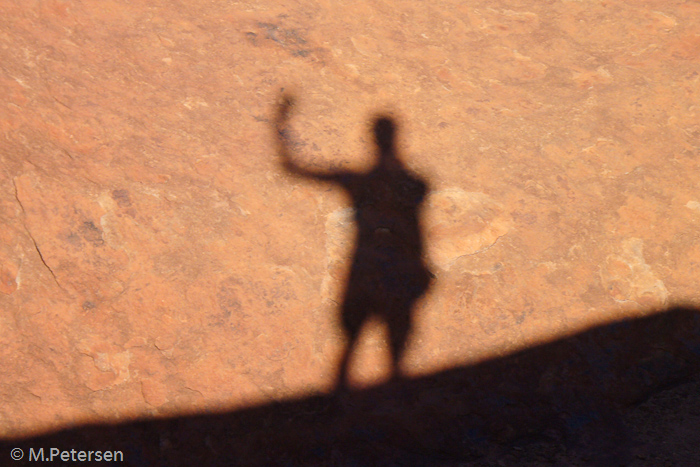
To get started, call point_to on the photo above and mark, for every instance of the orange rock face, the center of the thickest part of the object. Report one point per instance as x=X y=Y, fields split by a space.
x=155 y=258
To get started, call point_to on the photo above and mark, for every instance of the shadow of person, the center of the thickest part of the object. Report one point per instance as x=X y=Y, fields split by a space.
x=388 y=274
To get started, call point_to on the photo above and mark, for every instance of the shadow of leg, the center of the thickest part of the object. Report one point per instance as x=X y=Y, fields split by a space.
x=352 y=323
x=399 y=324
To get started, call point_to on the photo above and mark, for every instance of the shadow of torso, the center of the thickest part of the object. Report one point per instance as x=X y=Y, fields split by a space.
x=388 y=272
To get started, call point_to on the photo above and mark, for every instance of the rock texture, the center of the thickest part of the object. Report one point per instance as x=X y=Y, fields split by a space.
x=156 y=260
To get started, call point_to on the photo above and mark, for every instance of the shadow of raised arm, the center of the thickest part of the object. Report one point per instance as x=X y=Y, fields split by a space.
x=285 y=144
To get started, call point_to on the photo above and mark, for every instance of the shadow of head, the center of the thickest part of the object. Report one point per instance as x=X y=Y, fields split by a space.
x=384 y=130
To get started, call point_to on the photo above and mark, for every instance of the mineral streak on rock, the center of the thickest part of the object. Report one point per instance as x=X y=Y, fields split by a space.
x=339 y=237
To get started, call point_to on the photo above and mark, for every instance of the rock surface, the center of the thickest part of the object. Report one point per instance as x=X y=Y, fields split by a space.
x=156 y=260
x=564 y=403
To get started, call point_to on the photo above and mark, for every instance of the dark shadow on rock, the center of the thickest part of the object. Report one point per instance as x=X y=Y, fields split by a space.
x=388 y=273
x=573 y=389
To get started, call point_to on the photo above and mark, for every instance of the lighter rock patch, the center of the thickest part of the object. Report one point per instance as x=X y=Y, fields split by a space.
x=627 y=277
x=461 y=223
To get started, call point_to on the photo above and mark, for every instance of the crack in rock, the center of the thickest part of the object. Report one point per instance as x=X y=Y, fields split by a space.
x=36 y=245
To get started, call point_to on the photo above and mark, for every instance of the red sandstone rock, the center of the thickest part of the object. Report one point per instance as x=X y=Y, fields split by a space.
x=155 y=259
